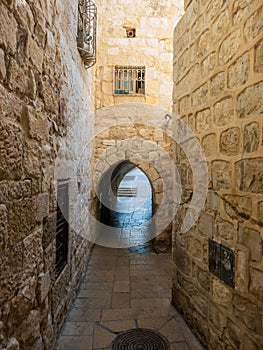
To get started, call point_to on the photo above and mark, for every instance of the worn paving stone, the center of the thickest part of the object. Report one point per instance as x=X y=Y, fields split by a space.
x=103 y=309
x=78 y=328
x=75 y=342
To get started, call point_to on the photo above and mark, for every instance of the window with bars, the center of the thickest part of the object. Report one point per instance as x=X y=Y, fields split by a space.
x=62 y=227
x=129 y=80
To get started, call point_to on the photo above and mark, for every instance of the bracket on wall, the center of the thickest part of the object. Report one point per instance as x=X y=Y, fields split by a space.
x=222 y=262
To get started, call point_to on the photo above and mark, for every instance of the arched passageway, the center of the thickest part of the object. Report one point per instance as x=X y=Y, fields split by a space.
x=126 y=205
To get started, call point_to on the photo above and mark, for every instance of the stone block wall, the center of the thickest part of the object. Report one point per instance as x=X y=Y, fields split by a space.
x=44 y=92
x=134 y=132
x=218 y=92
x=152 y=47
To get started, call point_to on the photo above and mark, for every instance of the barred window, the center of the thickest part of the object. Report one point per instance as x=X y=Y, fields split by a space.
x=129 y=80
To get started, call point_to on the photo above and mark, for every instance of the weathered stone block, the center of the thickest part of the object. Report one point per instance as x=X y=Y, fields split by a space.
x=208 y=64
x=202 y=277
x=252 y=240
x=50 y=96
x=254 y=25
x=250 y=175
x=260 y=211
x=182 y=260
x=229 y=47
x=225 y=230
x=230 y=141
x=221 y=174
x=43 y=286
x=3 y=227
x=233 y=335
x=242 y=270
x=203 y=120
x=21 y=219
x=8 y=28
x=32 y=253
x=204 y=43
x=222 y=295
x=224 y=111
x=238 y=71
x=12 y=344
x=212 y=201
x=209 y=145
x=11 y=266
x=206 y=224
x=251 y=344
x=10 y=104
x=2 y=65
x=42 y=206
x=217 y=84
x=18 y=80
x=11 y=151
x=221 y=25
x=248 y=312
x=199 y=96
x=240 y=10
x=49 y=230
x=258 y=64
x=35 y=124
x=30 y=330
x=250 y=101
x=213 y=10
x=183 y=62
x=238 y=205
x=251 y=137
x=197 y=27
x=24 y=15
x=218 y=317
x=256 y=282
x=184 y=105
x=35 y=53
x=195 y=248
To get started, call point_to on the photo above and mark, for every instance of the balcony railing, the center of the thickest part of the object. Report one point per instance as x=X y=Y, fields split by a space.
x=87 y=22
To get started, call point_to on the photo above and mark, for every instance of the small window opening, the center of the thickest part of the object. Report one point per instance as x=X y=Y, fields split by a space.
x=129 y=80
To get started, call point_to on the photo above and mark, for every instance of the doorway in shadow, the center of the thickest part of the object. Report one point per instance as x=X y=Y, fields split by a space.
x=126 y=205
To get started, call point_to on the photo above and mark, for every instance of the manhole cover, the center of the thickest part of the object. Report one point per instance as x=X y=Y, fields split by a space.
x=140 y=339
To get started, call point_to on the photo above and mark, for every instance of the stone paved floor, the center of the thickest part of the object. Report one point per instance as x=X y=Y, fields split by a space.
x=123 y=290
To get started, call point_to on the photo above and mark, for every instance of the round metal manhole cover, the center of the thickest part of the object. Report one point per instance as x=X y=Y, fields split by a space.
x=140 y=339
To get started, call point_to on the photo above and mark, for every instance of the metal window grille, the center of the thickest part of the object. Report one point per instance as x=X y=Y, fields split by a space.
x=129 y=80
x=62 y=227
x=86 y=40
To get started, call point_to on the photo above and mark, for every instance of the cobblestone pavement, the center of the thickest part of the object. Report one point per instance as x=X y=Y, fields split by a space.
x=124 y=290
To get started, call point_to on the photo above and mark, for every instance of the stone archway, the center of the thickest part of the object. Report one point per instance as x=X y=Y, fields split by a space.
x=133 y=133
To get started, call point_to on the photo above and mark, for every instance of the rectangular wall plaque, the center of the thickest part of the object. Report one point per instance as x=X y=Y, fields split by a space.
x=222 y=262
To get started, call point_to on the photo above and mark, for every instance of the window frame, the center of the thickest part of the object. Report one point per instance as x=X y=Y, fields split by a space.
x=127 y=81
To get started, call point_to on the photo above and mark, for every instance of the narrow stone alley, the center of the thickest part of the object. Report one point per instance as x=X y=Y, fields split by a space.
x=120 y=291
x=131 y=174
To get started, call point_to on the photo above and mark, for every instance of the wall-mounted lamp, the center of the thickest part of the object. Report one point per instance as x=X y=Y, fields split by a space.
x=166 y=120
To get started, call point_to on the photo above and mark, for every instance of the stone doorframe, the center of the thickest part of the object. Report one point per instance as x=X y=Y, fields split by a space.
x=133 y=133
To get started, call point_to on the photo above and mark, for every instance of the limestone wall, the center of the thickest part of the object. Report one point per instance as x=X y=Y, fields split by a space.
x=45 y=92
x=218 y=91
x=152 y=47
x=134 y=132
